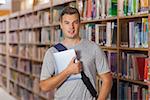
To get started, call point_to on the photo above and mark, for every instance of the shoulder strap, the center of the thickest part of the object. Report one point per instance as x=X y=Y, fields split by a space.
x=60 y=47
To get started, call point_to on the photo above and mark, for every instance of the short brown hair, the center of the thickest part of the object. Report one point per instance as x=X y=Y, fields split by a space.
x=69 y=10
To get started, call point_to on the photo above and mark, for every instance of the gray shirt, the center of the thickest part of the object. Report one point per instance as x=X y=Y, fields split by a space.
x=93 y=61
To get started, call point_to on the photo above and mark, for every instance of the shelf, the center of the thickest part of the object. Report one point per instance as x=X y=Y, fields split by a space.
x=133 y=16
x=3 y=53
x=14 y=55
x=14 y=15
x=35 y=60
x=43 y=44
x=135 y=82
x=25 y=73
x=21 y=85
x=133 y=49
x=25 y=58
x=2 y=31
x=39 y=26
x=108 y=48
x=13 y=43
x=42 y=7
x=3 y=75
x=25 y=12
x=12 y=30
x=38 y=44
x=2 y=64
x=54 y=24
x=27 y=43
x=62 y=3
x=2 y=42
x=98 y=20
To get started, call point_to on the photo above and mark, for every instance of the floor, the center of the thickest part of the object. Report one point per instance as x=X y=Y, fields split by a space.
x=5 y=96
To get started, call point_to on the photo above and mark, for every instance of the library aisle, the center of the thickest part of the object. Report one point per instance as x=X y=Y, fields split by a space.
x=5 y=96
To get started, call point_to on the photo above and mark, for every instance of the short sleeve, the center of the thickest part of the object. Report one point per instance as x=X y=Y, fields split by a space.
x=101 y=62
x=48 y=66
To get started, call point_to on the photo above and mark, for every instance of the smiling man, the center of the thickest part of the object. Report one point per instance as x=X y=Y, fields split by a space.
x=91 y=60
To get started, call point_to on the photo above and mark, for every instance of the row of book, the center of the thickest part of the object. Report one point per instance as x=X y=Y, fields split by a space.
x=28 y=51
x=21 y=79
x=133 y=7
x=29 y=84
x=138 y=34
x=41 y=18
x=112 y=60
x=23 y=94
x=2 y=71
x=3 y=81
x=26 y=66
x=2 y=25
x=2 y=37
x=43 y=35
x=28 y=36
x=13 y=49
x=57 y=36
x=132 y=92
x=96 y=9
x=13 y=62
x=134 y=66
x=103 y=34
x=13 y=37
x=3 y=59
x=13 y=23
x=36 y=53
x=2 y=48
x=134 y=34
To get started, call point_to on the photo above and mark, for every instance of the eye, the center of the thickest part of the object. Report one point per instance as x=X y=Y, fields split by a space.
x=66 y=22
x=76 y=22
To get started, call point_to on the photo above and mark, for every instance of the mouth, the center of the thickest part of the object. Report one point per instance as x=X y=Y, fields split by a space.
x=71 y=32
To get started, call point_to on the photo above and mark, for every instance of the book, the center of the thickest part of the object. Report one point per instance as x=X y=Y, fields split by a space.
x=63 y=59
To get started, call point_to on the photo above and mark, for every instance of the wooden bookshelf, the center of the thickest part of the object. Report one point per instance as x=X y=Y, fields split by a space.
x=99 y=20
x=39 y=23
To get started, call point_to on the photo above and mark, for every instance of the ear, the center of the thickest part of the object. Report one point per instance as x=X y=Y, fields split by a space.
x=60 y=23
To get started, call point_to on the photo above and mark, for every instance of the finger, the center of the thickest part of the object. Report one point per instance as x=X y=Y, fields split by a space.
x=73 y=59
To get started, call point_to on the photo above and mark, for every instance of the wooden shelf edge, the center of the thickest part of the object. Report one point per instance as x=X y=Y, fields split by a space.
x=62 y=3
x=137 y=82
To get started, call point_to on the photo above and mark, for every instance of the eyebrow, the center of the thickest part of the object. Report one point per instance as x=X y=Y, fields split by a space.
x=73 y=21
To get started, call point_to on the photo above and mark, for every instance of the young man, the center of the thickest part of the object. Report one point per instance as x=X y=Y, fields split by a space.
x=92 y=60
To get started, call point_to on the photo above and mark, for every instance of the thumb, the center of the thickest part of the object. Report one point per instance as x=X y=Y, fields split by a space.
x=73 y=60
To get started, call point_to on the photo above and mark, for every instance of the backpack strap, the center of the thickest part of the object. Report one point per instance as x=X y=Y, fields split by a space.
x=60 y=47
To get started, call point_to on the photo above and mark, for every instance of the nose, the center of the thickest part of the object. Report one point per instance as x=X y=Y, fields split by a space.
x=72 y=26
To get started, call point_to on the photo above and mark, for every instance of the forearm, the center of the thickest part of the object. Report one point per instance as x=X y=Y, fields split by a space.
x=105 y=88
x=54 y=82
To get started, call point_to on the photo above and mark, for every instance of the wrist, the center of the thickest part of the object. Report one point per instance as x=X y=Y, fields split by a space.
x=67 y=72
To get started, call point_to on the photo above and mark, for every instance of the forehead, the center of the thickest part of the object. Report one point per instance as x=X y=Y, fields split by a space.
x=70 y=17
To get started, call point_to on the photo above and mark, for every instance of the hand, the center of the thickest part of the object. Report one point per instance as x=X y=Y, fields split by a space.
x=74 y=67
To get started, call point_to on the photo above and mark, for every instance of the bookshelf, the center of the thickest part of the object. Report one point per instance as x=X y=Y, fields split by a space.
x=26 y=35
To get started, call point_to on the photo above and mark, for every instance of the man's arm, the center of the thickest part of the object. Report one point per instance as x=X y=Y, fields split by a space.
x=106 y=86
x=55 y=81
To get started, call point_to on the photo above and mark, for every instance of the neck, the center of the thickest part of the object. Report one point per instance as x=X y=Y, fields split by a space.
x=71 y=42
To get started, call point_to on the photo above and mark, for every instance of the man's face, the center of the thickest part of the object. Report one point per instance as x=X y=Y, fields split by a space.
x=70 y=26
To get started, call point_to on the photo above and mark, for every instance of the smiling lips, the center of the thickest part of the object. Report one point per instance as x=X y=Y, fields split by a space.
x=71 y=32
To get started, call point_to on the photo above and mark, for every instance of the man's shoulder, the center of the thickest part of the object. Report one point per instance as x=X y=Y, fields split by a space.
x=89 y=43
x=51 y=50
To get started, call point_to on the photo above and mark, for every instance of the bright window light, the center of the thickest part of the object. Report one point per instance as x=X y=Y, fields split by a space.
x=2 y=1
